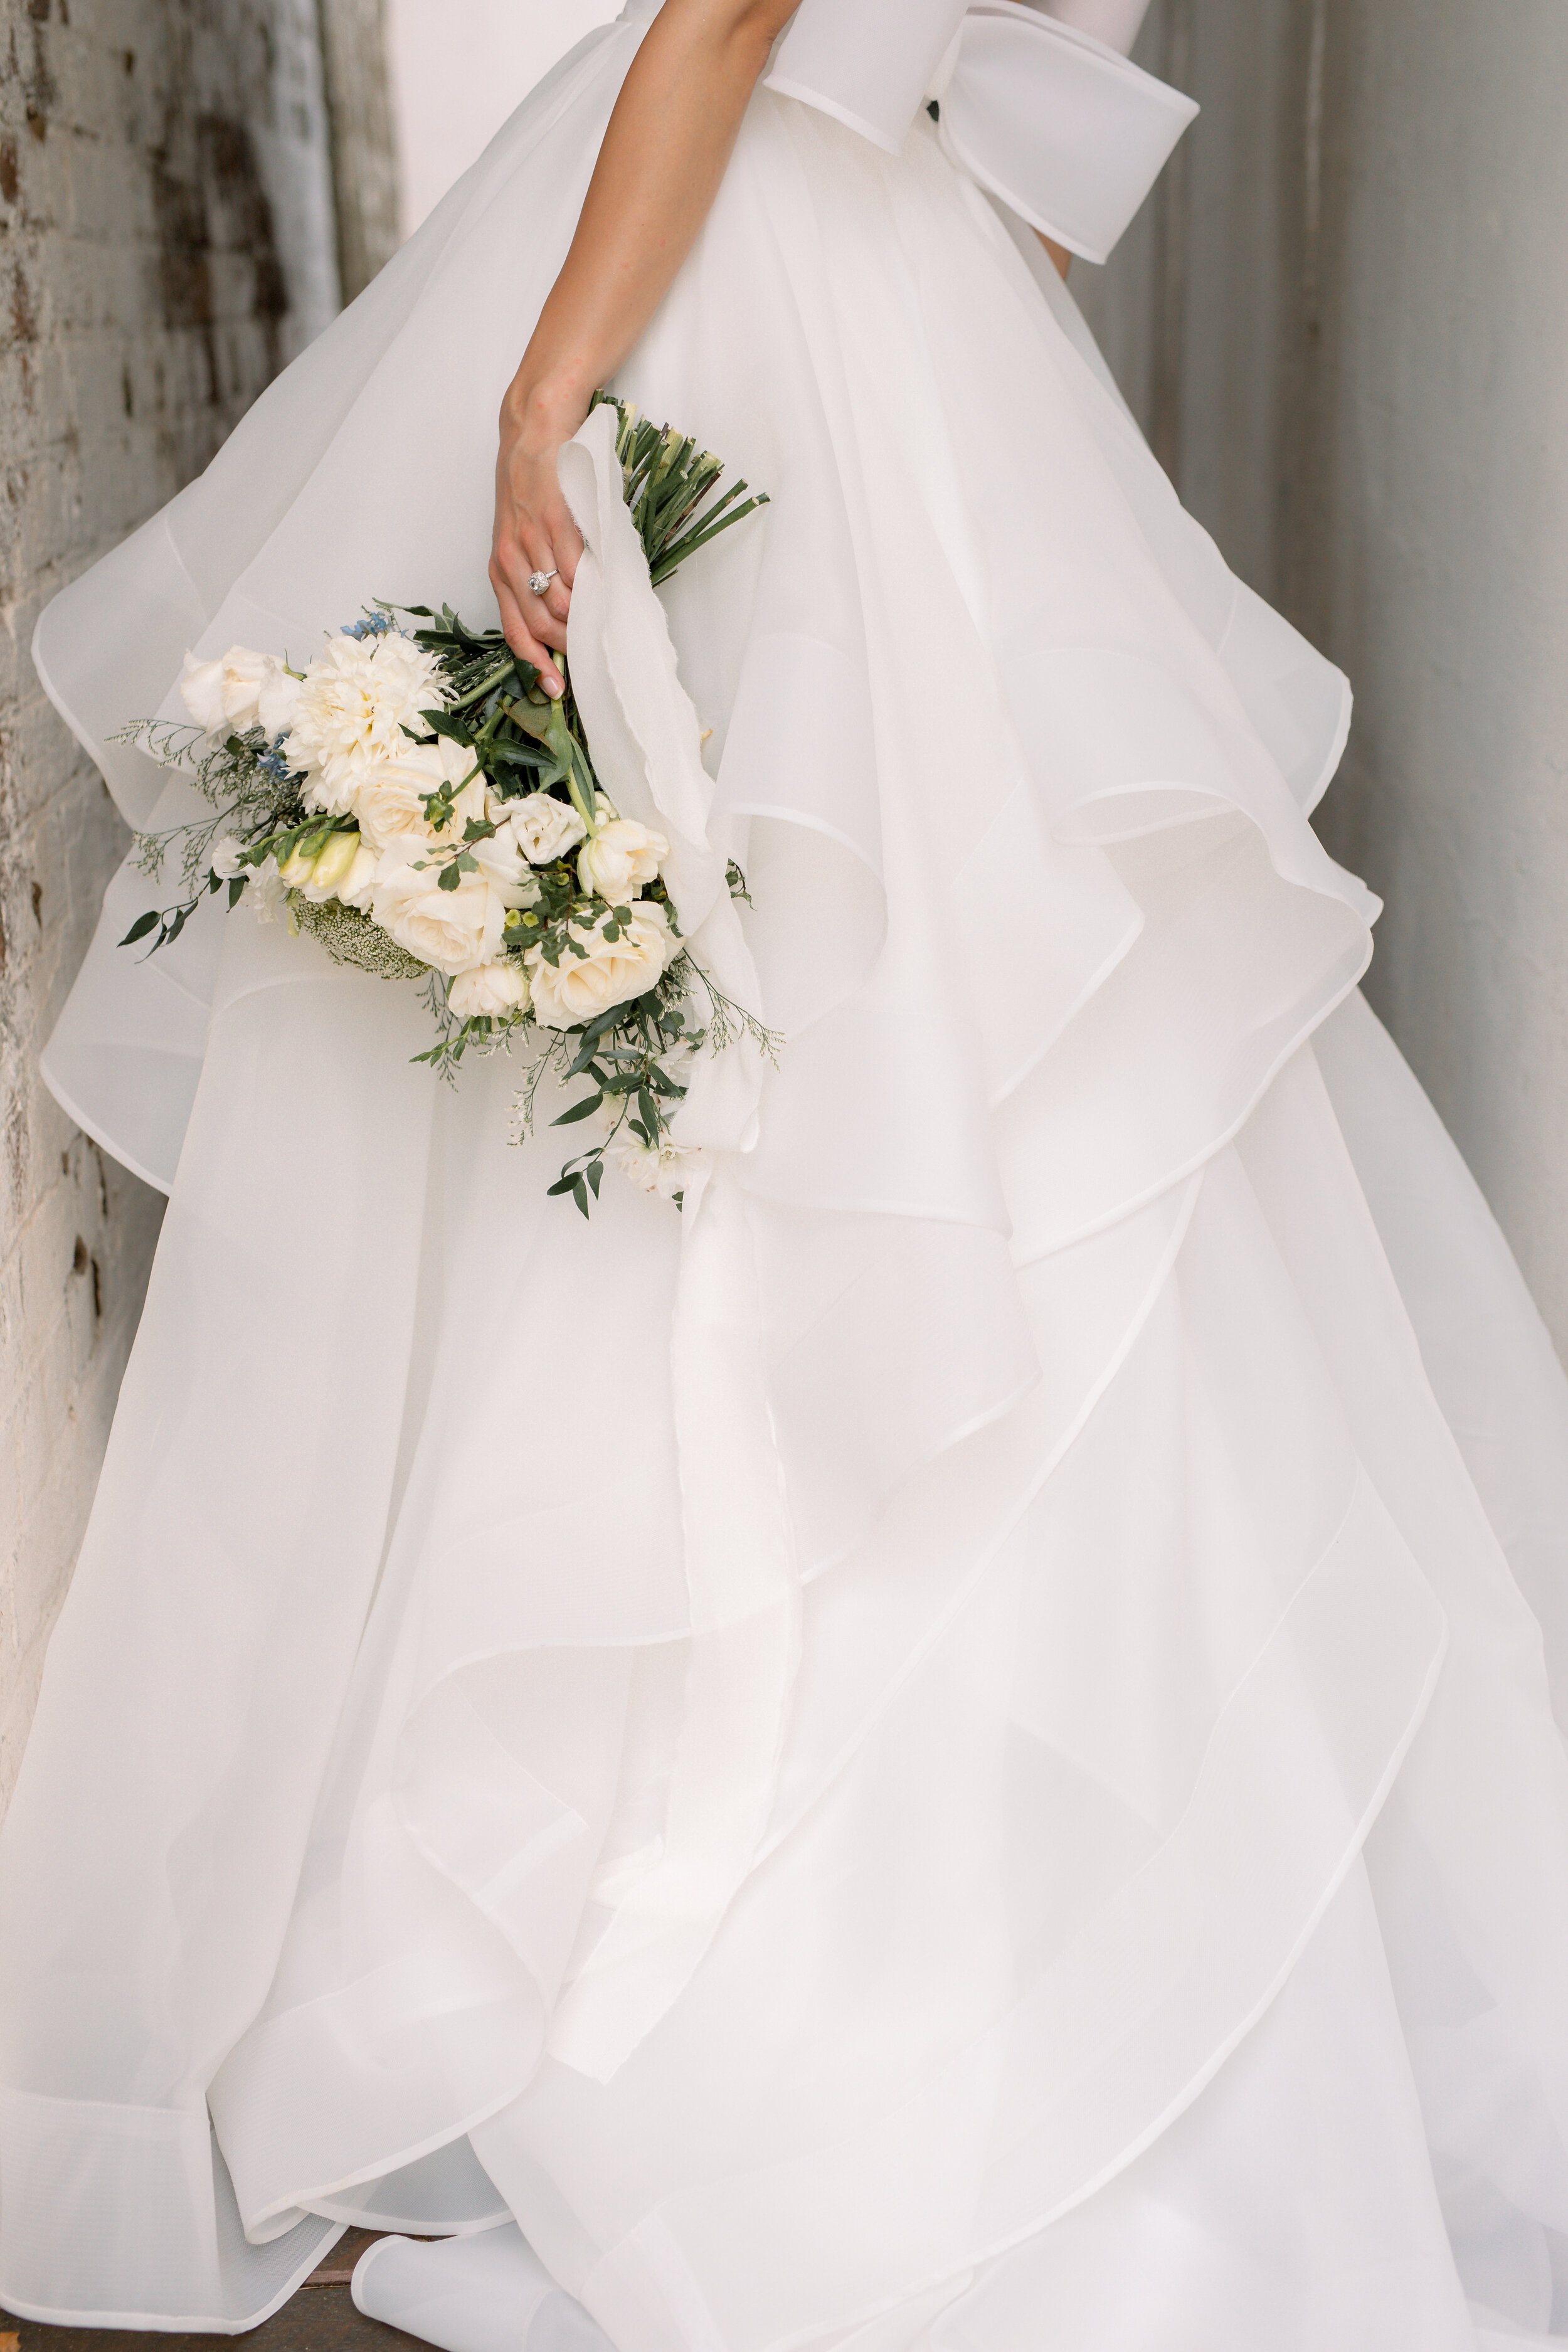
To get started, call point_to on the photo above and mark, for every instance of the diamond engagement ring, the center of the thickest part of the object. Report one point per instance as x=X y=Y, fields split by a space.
x=538 y=581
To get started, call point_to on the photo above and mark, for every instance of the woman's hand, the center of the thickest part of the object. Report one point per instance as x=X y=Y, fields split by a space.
x=663 y=154
x=534 y=527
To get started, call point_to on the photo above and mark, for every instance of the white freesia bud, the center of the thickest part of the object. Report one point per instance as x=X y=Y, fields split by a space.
x=620 y=859
x=221 y=696
x=332 y=865
x=666 y=1170
x=608 y=971
x=493 y=989
x=358 y=884
x=544 y=827
x=453 y=930
x=298 y=868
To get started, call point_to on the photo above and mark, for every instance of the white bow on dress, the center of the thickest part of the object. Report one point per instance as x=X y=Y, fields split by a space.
x=1038 y=106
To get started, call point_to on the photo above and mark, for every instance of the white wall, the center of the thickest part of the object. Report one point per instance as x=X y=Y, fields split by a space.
x=1344 y=321
x=458 y=69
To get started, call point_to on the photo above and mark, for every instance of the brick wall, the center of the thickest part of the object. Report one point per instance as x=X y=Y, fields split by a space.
x=167 y=241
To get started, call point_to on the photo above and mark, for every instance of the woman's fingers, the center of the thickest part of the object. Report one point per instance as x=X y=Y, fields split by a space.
x=534 y=535
x=519 y=634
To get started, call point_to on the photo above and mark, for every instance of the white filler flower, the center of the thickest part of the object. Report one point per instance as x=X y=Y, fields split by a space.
x=352 y=707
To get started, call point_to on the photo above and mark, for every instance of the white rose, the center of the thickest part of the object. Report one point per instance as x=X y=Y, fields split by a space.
x=543 y=827
x=352 y=705
x=666 y=1170
x=221 y=696
x=496 y=989
x=620 y=859
x=609 y=971
x=388 y=797
x=454 y=931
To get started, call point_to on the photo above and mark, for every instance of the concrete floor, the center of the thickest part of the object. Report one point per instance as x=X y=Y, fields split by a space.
x=321 y=2318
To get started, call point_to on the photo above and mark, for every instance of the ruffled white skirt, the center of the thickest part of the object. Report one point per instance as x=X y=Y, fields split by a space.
x=948 y=1750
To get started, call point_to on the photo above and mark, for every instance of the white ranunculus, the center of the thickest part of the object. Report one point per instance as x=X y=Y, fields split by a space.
x=494 y=988
x=352 y=704
x=388 y=796
x=666 y=1170
x=608 y=971
x=620 y=859
x=222 y=695
x=543 y=826
x=454 y=931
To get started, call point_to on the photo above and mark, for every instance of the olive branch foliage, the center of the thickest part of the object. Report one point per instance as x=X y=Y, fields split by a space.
x=633 y=1056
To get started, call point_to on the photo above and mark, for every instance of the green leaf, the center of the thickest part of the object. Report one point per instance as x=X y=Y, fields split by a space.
x=583 y=1110
x=448 y=878
x=140 y=927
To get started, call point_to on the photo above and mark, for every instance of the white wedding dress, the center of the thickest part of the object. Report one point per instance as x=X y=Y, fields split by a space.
x=955 y=1750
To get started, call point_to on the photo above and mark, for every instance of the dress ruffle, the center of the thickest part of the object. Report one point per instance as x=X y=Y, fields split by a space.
x=797 y=1751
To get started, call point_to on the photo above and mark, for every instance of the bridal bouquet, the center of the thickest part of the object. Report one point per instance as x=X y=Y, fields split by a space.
x=413 y=800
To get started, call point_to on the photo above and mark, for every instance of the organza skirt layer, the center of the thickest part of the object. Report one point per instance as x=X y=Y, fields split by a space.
x=944 y=1750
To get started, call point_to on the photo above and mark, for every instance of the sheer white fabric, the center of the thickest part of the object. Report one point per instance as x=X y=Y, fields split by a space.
x=944 y=1750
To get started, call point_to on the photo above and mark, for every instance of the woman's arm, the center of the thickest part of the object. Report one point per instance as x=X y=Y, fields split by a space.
x=659 y=172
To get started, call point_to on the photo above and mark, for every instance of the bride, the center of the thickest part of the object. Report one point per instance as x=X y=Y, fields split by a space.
x=953 y=1747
